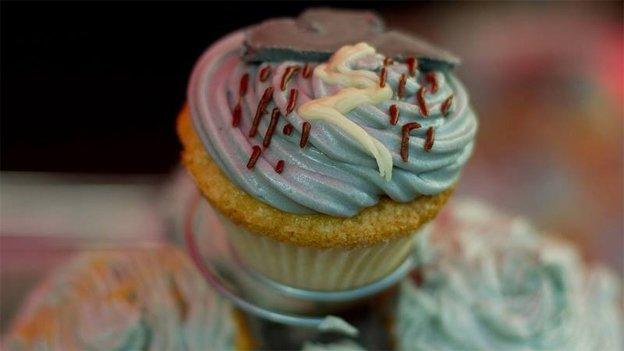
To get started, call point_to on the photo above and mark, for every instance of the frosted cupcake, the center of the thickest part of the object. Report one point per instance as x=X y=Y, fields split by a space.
x=127 y=300
x=489 y=282
x=325 y=143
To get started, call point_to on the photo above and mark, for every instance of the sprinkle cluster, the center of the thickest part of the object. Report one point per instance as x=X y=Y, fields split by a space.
x=306 y=72
x=263 y=76
x=432 y=87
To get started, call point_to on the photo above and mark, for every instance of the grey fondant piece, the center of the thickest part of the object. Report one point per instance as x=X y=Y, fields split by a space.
x=317 y=33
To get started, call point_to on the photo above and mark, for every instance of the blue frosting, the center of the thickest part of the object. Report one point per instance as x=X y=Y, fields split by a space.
x=333 y=175
x=490 y=283
x=151 y=299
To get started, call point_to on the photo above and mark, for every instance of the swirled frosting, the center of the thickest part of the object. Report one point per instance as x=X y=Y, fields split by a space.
x=334 y=172
x=342 y=345
x=493 y=283
x=132 y=299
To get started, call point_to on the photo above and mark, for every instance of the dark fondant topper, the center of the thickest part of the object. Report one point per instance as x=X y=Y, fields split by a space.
x=317 y=33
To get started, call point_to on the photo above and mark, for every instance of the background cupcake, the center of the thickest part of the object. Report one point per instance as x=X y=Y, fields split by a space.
x=490 y=282
x=127 y=299
x=324 y=154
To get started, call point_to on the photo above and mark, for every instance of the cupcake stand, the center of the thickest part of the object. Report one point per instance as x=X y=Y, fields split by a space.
x=281 y=316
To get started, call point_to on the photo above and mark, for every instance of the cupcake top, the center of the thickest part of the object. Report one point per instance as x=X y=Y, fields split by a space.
x=151 y=299
x=329 y=112
x=489 y=282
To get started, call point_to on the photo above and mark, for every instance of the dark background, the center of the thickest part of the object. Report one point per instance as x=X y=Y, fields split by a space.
x=95 y=87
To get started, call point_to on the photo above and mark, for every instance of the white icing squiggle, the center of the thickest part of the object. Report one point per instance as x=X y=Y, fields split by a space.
x=361 y=87
x=339 y=325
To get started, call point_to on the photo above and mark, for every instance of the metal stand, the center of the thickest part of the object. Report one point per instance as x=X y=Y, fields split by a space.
x=257 y=294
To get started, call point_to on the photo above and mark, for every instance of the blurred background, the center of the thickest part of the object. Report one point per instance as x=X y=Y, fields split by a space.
x=90 y=93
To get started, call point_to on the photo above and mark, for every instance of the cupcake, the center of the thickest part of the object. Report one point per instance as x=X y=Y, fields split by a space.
x=128 y=300
x=325 y=143
x=489 y=282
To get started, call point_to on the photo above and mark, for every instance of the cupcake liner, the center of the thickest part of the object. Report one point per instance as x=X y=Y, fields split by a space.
x=312 y=268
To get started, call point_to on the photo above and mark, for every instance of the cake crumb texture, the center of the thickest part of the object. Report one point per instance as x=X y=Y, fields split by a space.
x=384 y=221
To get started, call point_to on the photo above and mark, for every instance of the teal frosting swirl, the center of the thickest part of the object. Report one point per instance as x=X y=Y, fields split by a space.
x=491 y=283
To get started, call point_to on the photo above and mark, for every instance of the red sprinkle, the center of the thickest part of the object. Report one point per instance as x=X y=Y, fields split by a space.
x=407 y=128
x=430 y=138
x=411 y=65
x=292 y=101
x=279 y=167
x=394 y=114
x=271 y=128
x=244 y=82
x=401 y=87
x=417 y=277
x=255 y=154
x=305 y=134
x=420 y=96
x=264 y=74
x=433 y=82
x=236 y=115
x=262 y=104
x=446 y=105
x=288 y=128
x=307 y=71
x=387 y=61
x=382 y=78
x=288 y=73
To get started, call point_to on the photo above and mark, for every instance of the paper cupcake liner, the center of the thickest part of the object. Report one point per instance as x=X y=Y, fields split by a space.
x=315 y=268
